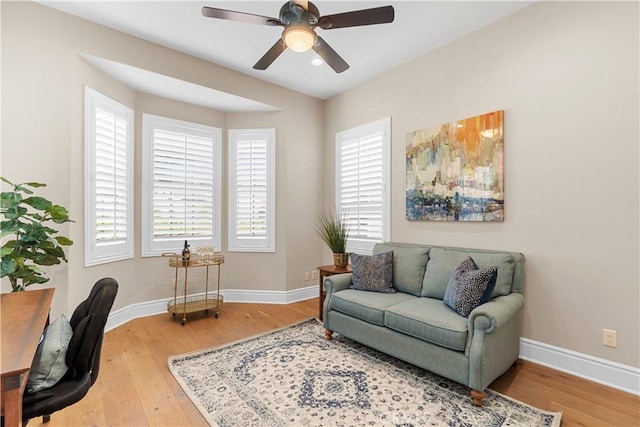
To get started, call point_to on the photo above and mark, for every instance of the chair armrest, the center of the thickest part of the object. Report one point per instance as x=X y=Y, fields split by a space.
x=495 y=313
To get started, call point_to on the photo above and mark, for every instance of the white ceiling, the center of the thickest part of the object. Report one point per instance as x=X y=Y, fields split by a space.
x=168 y=87
x=419 y=27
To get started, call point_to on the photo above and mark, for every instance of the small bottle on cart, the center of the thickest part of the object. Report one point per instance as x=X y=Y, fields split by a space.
x=186 y=254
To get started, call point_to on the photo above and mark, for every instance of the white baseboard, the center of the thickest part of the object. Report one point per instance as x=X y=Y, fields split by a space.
x=150 y=308
x=270 y=297
x=142 y=309
x=612 y=374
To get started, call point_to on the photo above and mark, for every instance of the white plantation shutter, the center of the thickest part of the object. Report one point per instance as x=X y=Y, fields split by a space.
x=182 y=184
x=362 y=177
x=181 y=175
x=252 y=190
x=109 y=177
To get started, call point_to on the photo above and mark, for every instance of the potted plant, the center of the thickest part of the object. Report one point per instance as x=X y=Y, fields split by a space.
x=334 y=230
x=34 y=244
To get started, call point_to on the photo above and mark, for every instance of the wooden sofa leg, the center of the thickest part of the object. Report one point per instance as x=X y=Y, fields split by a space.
x=328 y=334
x=478 y=397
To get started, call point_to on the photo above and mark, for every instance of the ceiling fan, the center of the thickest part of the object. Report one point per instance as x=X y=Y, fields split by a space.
x=299 y=19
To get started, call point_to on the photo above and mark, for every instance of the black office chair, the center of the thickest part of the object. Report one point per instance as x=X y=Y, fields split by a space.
x=83 y=355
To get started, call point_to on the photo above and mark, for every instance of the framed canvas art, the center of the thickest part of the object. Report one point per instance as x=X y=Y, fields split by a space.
x=455 y=170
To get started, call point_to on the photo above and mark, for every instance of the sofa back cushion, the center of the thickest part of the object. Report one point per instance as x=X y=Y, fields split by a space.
x=443 y=262
x=409 y=262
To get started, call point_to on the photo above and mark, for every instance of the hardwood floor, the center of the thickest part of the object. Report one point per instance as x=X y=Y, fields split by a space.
x=135 y=387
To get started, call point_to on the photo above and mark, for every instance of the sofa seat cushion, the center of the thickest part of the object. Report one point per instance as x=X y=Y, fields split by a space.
x=367 y=306
x=430 y=320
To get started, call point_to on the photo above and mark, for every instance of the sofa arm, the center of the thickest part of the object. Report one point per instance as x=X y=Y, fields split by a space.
x=333 y=284
x=491 y=315
x=494 y=339
x=337 y=282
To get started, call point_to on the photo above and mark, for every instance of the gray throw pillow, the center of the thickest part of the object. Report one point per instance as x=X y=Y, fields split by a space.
x=49 y=365
x=469 y=286
x=373 y=273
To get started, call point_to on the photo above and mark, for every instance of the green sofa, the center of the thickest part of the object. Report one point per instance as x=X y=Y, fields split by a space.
x=415 y=325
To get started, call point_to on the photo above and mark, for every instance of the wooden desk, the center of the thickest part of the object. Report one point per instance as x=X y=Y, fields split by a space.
x=24 y=316
x=324 y=271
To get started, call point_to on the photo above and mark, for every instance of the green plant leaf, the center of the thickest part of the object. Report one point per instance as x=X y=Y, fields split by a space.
x=15 y=213
x=46 y=260
x=334 y=230
x=39 y=203
x=58 y=214
x=36 y=233
x=38 y=280
x=30 y=275
x=35 y=216
x=10 y=244
x=55 y=251
x=6 y=180
x=32 y=280
x=64 y=241
x=43 y=231
x=34 y=243
x=29 y=238
x=8 y=227
x=29 y=269
x=9 y=200
x=25 y=190
x=8 y=267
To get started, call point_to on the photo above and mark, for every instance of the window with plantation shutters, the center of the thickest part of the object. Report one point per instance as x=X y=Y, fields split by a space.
x=108 y=179
x=362 y=179
x=252 y=190
x=181 y=183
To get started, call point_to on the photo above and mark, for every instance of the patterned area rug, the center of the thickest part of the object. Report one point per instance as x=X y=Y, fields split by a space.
x=294 y=377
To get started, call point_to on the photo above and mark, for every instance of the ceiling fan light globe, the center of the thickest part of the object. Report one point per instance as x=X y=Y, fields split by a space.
x=299 y=38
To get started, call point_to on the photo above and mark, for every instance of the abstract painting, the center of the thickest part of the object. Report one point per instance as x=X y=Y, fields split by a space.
x=455 y=170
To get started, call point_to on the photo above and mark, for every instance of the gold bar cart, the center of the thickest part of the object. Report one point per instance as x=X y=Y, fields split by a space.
x=190 y=304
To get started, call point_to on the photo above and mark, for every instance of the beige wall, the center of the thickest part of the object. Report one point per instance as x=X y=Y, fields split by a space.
x=42 y=133
x=566 y=75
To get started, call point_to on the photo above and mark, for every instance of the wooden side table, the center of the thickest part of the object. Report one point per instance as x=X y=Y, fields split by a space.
x=324 y=271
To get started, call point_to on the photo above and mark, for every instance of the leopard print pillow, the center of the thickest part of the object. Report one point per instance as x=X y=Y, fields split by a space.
x=373 y=273
x=469 y=286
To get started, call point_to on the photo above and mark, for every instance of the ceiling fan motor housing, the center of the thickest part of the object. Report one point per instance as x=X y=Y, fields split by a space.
x=294 y=14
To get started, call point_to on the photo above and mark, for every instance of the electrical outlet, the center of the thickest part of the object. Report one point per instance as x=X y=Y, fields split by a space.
x=306 y=276
x=314 y=275
x=609 y=338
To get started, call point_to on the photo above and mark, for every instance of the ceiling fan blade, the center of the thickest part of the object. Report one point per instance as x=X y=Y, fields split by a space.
x=249 y=18
x=377 y=15
x=271 y=55
x=330 y=56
